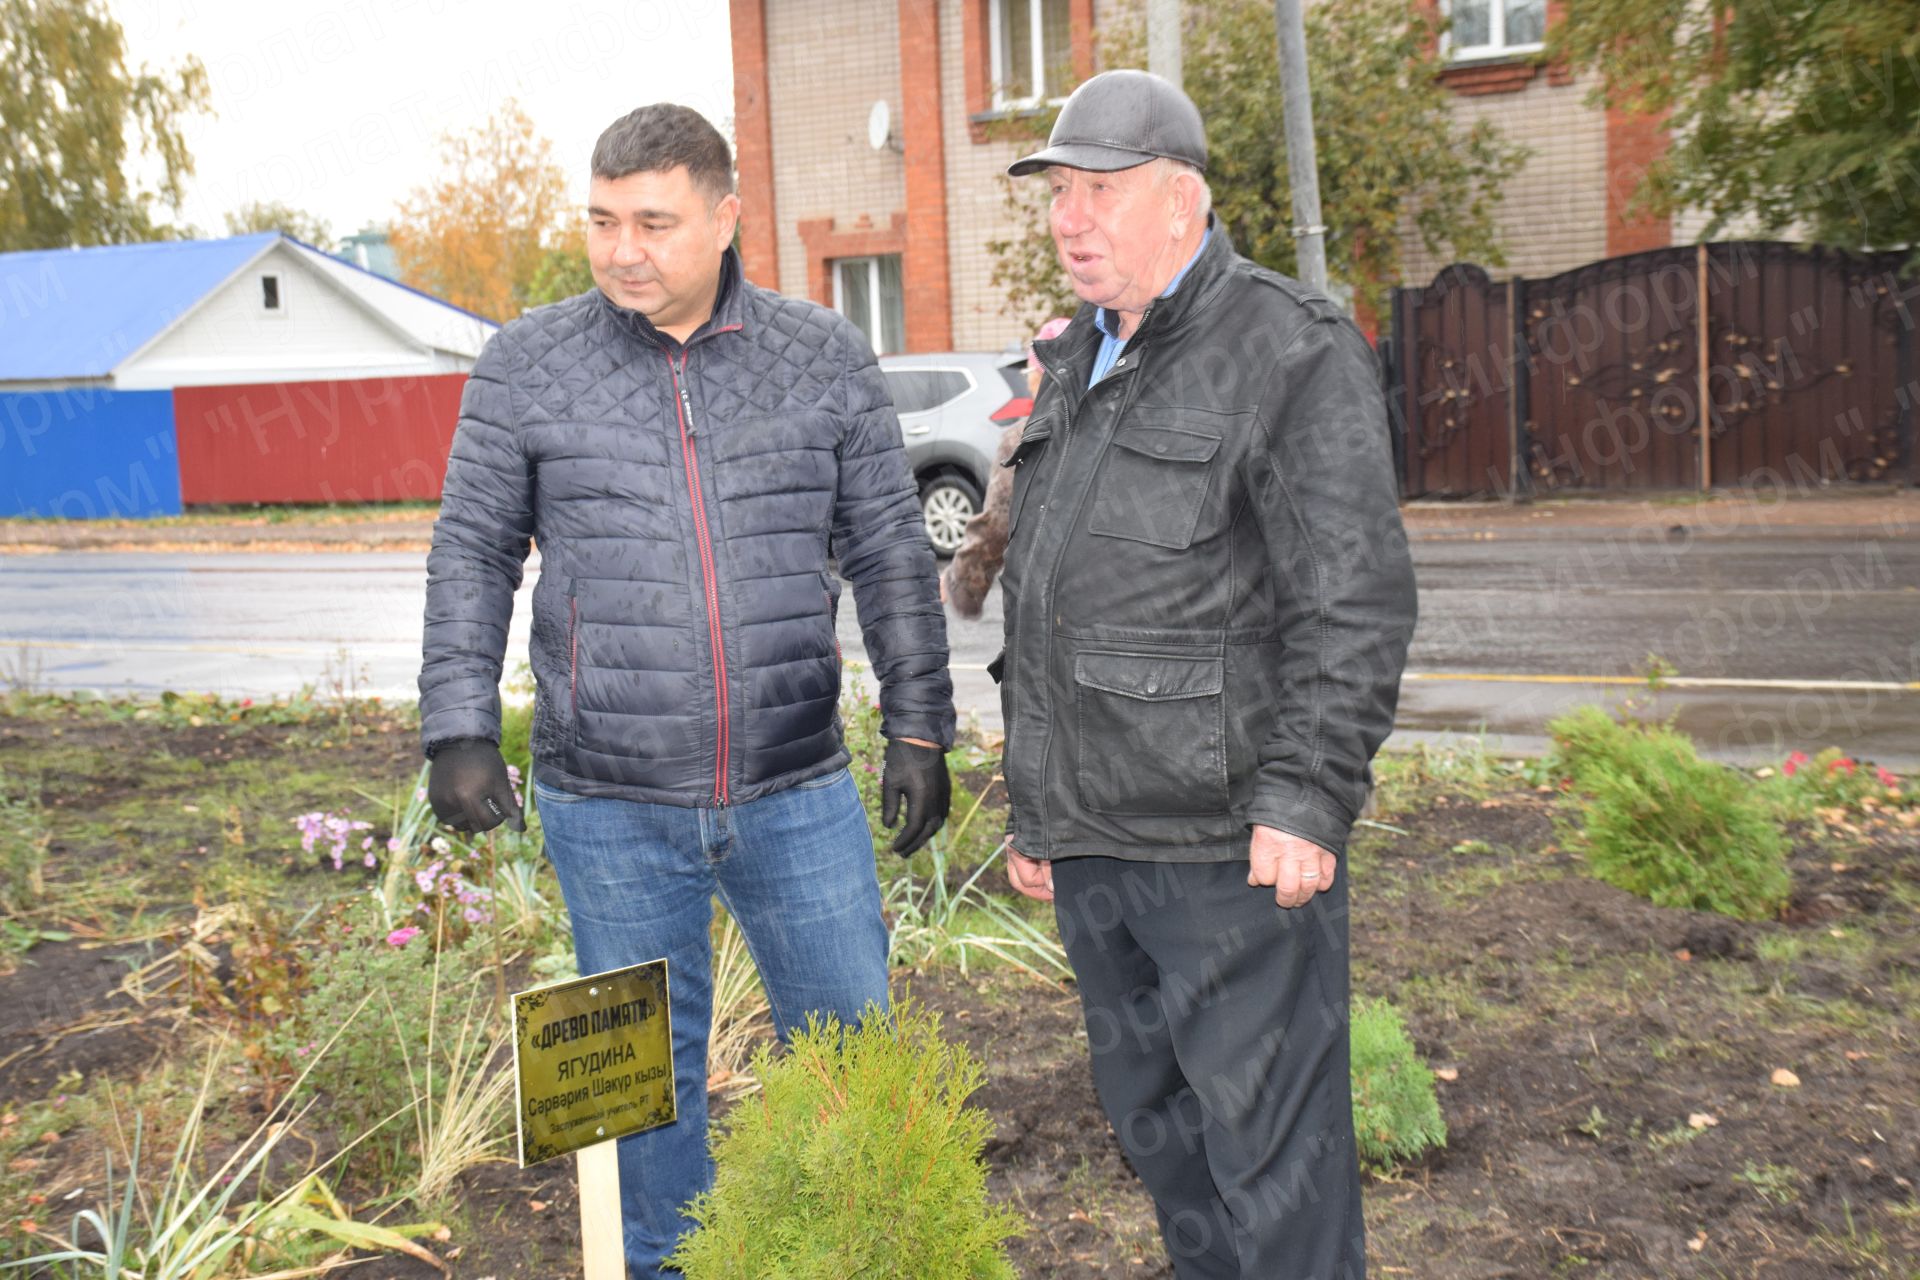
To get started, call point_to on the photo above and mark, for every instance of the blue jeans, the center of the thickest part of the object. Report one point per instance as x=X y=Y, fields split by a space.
x=795 y=869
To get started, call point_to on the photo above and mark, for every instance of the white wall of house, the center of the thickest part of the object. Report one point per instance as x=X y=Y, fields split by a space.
x=317 y=332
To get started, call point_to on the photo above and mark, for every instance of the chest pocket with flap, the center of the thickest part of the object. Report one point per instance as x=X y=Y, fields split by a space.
x=1152 y=485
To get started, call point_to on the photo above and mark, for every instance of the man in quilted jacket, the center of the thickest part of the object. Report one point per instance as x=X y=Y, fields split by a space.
x=688 y=450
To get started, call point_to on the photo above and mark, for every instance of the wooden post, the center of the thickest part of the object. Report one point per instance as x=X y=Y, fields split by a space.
x=1700 y=340
x=603 y=1251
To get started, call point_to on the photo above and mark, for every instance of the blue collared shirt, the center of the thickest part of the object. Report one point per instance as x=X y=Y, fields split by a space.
x=1108 y=322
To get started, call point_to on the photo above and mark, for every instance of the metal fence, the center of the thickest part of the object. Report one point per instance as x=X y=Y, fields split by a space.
x=1594 y=379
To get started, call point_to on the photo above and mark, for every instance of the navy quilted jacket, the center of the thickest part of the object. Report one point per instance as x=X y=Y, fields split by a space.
x=684 y=499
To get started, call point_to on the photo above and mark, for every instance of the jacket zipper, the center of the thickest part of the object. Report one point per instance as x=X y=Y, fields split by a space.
x=683 y=403
x=573 y=658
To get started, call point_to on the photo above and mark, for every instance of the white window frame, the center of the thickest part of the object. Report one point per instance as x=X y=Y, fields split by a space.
x=875 y=304
x=1496 y=26
x=279 y=310
x=1036 y=19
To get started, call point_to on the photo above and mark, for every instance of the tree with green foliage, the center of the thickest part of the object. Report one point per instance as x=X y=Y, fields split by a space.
x=1784 y=111
x=1392 y=157
x=76 y=119
x=271 y=215
x=563 y=273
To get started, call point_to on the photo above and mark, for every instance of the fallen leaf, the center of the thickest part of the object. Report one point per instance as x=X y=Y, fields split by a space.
x=49 y=1137
x=1836 y=867
x=1683 y=954
x=1854 y=1055
x=1078 y=1216
x=1698 y=1243
x=1785 y=1078
x=1701 y=1120
x=454 y=1252
x=35 y=1198
x=1863 y=1161
x=29 y=1226
x=1491 y=804
x=538 y=1206
x=1836 y=933
x=1448 y=1074
x=443 y=1233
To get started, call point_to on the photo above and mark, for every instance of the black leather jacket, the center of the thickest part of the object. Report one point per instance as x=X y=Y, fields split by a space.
x=1208 y=590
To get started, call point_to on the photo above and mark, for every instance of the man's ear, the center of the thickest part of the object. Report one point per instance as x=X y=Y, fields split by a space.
x=726 y=217
x=1185 y=198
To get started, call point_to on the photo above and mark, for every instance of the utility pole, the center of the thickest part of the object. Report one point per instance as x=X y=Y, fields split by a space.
x=1303 y=170
x=1163 y=40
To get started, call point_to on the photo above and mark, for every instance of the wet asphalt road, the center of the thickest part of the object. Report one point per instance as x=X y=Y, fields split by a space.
x=1795 y=642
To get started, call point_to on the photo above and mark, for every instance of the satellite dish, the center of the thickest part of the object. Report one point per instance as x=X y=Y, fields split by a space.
x=880 y=126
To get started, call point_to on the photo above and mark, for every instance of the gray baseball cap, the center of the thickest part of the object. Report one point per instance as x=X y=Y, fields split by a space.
x=1120 y=119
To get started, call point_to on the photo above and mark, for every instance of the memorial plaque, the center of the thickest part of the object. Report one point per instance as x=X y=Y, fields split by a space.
x=592 y=1060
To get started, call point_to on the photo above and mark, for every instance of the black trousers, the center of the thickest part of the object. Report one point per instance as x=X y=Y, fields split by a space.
x=1218 y=1028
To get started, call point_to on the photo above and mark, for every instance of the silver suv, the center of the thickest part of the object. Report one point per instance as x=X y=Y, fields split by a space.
x=952 y=407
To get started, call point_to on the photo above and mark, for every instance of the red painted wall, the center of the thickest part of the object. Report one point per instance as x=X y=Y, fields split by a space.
x=367 y=440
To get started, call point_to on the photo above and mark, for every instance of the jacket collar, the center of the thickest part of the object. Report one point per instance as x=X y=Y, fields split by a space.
x=729 y=309
x=1069 y=357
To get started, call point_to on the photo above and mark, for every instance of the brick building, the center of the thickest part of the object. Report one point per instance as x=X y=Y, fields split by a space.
x=896 y=235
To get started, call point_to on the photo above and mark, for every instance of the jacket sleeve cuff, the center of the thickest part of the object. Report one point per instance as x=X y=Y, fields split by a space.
x=1298 y=815
x=928 y=728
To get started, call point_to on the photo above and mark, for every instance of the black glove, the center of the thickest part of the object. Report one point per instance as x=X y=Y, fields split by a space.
x=917 y=775
x=469 y=789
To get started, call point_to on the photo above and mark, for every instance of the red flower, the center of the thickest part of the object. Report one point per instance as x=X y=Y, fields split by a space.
x=1794 y=762
x=1842 y=763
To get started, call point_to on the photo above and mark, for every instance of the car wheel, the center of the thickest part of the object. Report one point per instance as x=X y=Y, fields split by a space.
x=948 y=502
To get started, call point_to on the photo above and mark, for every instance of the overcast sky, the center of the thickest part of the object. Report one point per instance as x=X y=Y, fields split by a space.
x=335 y=108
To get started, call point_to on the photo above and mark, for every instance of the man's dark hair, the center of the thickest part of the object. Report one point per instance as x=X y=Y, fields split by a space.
x=661 y=137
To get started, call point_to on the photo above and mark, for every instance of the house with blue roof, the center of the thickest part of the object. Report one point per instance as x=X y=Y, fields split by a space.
x=138 y=379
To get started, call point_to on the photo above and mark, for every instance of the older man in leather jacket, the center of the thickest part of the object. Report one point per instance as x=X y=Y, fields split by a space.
x=1208 y=605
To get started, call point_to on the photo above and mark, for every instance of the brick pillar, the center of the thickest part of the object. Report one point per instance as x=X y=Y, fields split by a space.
x=1080 y=23
x=929 y=310
x=1634 y=141
x=753 y=144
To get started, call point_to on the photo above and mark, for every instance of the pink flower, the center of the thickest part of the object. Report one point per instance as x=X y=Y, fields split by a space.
x=370 y=860
x=1794 y=762
x=1887 y=779
x=401 y=937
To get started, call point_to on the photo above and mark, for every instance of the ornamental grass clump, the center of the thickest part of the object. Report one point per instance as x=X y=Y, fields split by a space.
x=859 y=1157
x=1396 y=1115
x=1655 y=819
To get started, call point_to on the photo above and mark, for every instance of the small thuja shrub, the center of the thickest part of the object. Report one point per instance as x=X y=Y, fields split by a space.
x=859 y=1157
x=1396 y=1115
x=1655 y=819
